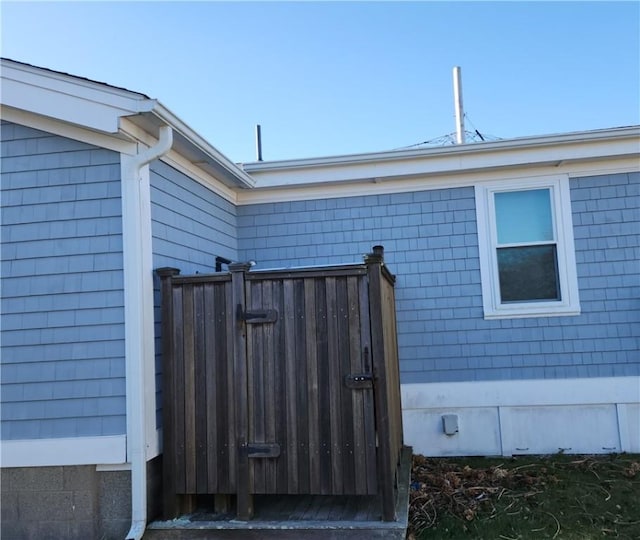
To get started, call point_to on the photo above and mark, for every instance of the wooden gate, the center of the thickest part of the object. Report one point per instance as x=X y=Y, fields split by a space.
x=280 y=382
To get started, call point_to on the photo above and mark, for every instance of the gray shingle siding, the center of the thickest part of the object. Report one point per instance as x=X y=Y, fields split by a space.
x=62 y=288
x=63 y=363
x=606 y=217
x=191 y=225
x=430 y=240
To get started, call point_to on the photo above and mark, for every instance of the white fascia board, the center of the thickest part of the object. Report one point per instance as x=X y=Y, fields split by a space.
x=71 y=99
x=553 y=150
x=521 y=393
x=64 y=451
x=165 y=115
x=545 y=140
x=425 y=182
x=64 y=129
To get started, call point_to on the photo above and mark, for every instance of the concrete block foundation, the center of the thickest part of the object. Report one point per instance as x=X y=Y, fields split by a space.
x=71 y=502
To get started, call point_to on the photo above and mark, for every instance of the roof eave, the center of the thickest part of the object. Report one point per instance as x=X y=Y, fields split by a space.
x=529 y=151
x=101 y=107
x=193 y=146
x=609 y=134
x=71 y=99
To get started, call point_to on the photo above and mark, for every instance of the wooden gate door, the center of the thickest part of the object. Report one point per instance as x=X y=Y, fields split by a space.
x=310 y=407
x=280 y=382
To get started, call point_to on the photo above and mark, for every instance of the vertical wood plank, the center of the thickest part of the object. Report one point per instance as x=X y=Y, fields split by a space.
x=324 y=394
x=189 y=389
x=280 y=401
x=290 y=388
x=397 y=390
x=200 y=394
x=386 y=474
x=346 y=394
x=335 y=382
x=269 y=386
x=393 y=371
x=221 y=359
x=244 y=500
x=369 y=429
x=313 y=404
x=302 y=426
x=179 y=390
x=228 y=392
x=356 y=365
x=256 y=386
x=169 y=503
x=211 y=375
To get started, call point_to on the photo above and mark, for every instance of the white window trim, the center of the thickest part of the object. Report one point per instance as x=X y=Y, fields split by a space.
x=563 y=226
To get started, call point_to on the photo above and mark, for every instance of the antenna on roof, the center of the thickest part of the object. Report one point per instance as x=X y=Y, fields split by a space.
x=258 y=143
x=457 y=98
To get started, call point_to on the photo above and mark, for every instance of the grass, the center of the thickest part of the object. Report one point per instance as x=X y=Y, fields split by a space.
x=525 y=498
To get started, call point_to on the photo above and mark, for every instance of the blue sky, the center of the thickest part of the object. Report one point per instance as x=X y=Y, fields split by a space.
x=329 y=78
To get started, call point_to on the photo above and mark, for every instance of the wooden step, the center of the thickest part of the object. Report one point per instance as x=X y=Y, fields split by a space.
x=312 y=517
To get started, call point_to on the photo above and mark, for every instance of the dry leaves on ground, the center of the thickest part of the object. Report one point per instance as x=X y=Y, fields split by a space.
x=441 y=486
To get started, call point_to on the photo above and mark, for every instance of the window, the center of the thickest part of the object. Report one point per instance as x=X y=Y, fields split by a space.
x=527 y=260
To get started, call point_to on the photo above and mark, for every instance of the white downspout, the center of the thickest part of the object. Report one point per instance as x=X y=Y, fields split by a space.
x=165 y=140
x=138 y=292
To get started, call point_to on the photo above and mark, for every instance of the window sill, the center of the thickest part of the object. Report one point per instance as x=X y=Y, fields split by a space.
x=521 y=313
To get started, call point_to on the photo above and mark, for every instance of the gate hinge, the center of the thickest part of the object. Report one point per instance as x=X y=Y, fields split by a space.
x=262 y=450
x=258 y=316
x=358 y=380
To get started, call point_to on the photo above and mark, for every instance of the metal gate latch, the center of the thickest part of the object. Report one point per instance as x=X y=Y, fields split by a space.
x=359 y=380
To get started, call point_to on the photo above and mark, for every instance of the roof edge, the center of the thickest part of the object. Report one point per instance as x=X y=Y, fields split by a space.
x=100 y=107
x=53 y=73
x=617 y=133
x=194 y=138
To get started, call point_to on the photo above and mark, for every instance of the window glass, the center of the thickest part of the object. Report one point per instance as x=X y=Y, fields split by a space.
x=524 y=216
x=528 y=274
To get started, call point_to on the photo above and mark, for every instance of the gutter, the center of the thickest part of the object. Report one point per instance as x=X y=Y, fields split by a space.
x=520 y=143
x=138 y=319
x=550 y=151
x=166 y=116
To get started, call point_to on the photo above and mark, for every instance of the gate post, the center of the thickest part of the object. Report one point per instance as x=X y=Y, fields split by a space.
x=170 y=502
x=244 y=499
x=386 y=478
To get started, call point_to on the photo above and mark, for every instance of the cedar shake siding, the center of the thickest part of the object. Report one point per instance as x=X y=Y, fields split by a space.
x=430 y=240
x=62 y=288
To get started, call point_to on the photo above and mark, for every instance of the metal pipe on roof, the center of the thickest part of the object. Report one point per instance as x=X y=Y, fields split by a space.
x=457 y=98
x=258 y=142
